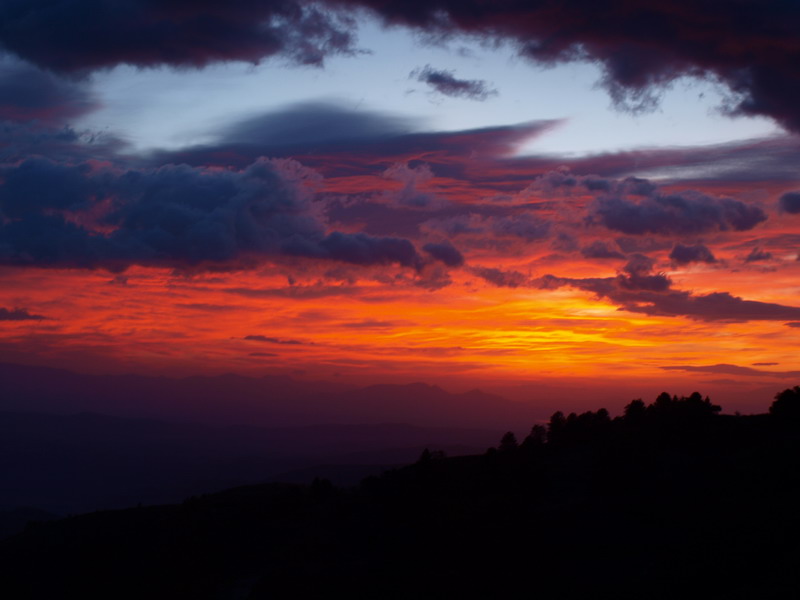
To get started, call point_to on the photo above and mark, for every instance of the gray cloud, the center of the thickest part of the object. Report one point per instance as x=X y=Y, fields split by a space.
x=499 y=277
x=31 y=94
x=445 y=252
x=446 y=83
x=176 y=216
x=684 y=255
x=638 y=290
x=682 y=213
x=726 y=369
x=84 y=35
x=18 y=314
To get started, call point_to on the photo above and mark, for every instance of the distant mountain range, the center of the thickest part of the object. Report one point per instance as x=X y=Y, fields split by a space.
x=72 y=442
x=272 y=401
x=83 y=462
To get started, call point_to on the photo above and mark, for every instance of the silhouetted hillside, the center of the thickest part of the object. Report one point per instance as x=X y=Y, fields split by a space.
x=669 y=500
x=77 y=463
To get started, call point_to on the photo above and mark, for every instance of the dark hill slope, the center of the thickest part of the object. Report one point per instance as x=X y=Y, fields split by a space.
x=671 y=500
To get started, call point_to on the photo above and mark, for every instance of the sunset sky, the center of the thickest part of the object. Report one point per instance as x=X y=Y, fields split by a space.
x=528 y=197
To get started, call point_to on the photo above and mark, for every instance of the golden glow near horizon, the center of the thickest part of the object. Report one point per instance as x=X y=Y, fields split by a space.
x=254 y=322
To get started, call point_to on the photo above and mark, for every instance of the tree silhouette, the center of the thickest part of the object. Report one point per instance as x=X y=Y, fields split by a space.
x=787 y=404
x=556 y=426
x=537 y=437
x=635 y=411
x=508 y=443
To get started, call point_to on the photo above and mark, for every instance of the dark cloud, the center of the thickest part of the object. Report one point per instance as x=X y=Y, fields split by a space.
x=271 y=340
x=750 y=47
x=793 y=324
x=790 y=203
x=445 y=252
x=340 y=140
x=726 y=369
x=20 y=141
x=683 y=255
x=36 y=110
x=642 y=47
x=18 y=314
x=313 y=125
x=446 y=83
x=499 y=277
x=30 y=94
x=637 y=289
x=680 y=213
x=637 y=206
x=756 y=254
x=83 y=35
x=637 y=275
x=175 y=216
x=765 y=364
x=39 y=185
x=601 y=250
x=356 y=249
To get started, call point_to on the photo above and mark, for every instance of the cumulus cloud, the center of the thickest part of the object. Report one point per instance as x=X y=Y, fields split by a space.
x=683 y=255
x=445 y=252
x=446 y=83
x=680 y=213
x=637 y=206
x=18 y=314
x=175 y=216
x=637 y=289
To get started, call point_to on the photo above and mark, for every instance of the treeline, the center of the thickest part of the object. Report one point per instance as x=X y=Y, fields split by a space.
x=667 y=413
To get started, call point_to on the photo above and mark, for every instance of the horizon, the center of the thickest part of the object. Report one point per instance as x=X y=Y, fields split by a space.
x=560 y=207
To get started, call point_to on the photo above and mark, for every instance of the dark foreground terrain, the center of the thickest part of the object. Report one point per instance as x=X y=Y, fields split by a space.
x=670 y=500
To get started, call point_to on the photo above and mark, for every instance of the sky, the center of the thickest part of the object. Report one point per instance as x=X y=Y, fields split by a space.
x=538 y=198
